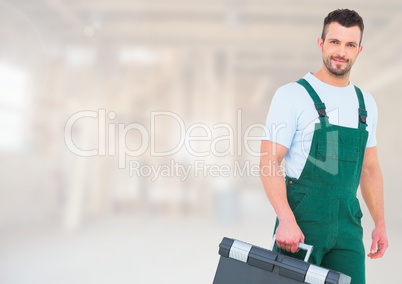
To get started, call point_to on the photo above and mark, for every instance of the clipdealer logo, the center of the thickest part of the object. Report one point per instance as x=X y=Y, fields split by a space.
x=197 y=142
x=200 y=168
x=328 y=147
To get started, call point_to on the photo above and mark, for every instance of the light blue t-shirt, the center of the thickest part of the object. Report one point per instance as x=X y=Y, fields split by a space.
x=292 y=116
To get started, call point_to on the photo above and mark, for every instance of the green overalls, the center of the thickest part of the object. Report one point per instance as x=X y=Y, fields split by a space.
x=323 y=199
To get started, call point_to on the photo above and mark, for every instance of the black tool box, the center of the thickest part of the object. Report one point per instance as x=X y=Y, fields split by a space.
x=243 y=263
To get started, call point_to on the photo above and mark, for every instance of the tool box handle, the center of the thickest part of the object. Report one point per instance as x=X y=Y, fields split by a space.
x=302 y=246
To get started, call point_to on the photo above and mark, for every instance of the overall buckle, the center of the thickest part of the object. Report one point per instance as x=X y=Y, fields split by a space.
x=363 y=116
x=320 y=107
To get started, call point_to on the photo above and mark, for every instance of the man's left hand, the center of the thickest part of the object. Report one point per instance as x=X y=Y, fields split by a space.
x=379 y=243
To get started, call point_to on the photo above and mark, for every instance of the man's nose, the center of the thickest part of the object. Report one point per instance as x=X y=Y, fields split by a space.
x=341 y=51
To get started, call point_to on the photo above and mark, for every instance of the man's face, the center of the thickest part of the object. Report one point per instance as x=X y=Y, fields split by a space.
x=340 y=48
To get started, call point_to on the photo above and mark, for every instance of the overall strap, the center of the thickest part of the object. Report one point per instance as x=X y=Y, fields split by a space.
x=362 y=109
x=319 y=105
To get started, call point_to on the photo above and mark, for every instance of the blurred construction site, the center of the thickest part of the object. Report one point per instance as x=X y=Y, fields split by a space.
x=130 y=130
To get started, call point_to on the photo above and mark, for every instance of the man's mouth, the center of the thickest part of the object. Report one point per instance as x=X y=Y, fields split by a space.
x=339 y=60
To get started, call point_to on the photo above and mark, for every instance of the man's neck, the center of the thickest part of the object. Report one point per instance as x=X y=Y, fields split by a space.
x=338 y=81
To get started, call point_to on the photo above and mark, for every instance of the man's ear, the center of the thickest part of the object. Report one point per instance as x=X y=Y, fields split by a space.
x=360 y=48
x=320 y=43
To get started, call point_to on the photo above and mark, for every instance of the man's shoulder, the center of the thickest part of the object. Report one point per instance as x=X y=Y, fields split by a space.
x=369 y=99
x=367 y=95
x=289 y=90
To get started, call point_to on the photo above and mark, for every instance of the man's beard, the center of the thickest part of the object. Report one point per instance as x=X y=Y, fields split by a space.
x=337 y=71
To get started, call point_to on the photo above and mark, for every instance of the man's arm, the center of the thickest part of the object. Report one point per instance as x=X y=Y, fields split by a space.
x=372 y=189
x=288 y=233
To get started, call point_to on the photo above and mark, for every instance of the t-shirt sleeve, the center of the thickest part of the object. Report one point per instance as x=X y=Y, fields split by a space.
x=281 y=122
x=372 y=119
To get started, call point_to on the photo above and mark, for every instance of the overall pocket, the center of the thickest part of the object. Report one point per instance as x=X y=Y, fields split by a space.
x=336 y=163
x=296 y=199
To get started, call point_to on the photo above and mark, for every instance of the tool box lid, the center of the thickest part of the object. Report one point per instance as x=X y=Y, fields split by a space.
x=289 y=267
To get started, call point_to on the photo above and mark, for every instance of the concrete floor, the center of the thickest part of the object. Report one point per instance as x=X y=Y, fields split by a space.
x=132 y=249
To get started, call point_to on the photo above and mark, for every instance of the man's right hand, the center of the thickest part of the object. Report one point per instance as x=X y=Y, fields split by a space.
x=288 y=236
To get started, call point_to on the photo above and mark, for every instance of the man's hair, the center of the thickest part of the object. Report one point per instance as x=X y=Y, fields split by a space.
x=345 y=17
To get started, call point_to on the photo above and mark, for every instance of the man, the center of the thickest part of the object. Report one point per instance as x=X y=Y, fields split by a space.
x=325 y=129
